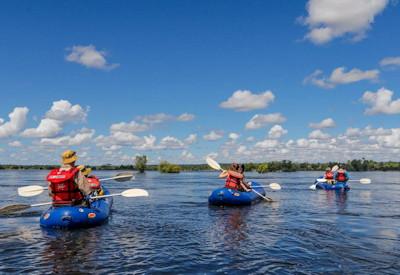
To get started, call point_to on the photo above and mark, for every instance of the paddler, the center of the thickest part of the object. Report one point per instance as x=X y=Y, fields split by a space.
x=233 y=177
x=244 y=186
x=92 y=179
x=67 y=184
x=341 y=175
x=329 y=176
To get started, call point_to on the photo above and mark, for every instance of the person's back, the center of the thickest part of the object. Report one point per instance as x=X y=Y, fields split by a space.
x=233 y=177
x=67 y=185
x=329 y=176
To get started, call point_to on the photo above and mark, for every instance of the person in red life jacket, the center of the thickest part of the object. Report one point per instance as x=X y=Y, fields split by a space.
x=232 y=176
x=94 y=181
x=341 y=175
x=67 y=185
x=329 y=176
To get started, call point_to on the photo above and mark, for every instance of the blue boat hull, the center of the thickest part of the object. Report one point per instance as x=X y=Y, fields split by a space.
x=336 y=186
x=78 y=216
x=230 y=197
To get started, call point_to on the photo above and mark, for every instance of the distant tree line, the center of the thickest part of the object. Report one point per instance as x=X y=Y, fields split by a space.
x=264 y=167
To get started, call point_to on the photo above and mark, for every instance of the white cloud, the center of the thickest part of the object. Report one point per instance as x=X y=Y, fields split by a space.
x=47 y=128
x=213 y=135
x=83 y=136
x=63 y=110
x=391 y=140
x=89 y=57
x=276 y=132
x=329 y=19
x=186 y=155
x=247 y=101
x=15 y=124
x=339 y=77
x=259 y=121
x=381 y=102
x=390 y=61
x=185 y=117
x=147 y=143
x=192 y=138
x=318 y=134
x=326 y=123
x=233 y=136
x=130 y=127
x=15 y=143
x=169 y=142
x=268 y=143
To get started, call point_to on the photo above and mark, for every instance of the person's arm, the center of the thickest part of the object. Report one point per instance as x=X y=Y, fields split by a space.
x=223 y=174
x=83 y=184
x=49 y=189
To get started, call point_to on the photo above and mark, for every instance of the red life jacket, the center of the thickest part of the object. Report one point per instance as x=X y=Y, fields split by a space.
x=232 y=182
x=329 y=175
x=94 y=182
x=63 y=187
x=341 y=177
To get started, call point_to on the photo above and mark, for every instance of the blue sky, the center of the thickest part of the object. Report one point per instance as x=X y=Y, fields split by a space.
x=185 y=78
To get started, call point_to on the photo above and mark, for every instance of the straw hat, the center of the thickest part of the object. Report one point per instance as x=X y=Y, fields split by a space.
x=68 y=157
x=85 y=170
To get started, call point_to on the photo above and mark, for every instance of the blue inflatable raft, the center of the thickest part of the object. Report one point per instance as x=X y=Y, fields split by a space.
x=78 y=216
x=230 y=197
x=337 y=186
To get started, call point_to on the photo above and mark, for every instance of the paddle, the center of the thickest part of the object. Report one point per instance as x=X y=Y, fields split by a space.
x=215 y=165
x=130 y=193
x=314 y=186
x=362 y=181
x=34 y=190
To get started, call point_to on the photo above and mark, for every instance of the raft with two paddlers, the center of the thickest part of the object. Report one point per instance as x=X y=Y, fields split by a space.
x=226 y=196
x=79 y=216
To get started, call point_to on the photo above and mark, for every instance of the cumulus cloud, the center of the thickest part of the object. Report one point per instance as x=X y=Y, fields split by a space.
x=326 y=123
x=186 y=155
x=277 y=131
x=243 y=100
x=268 y=143
x=339 y=76
x=233 y=136
x=47 y=128
x=169 y=142
x=213 y=135
x=83 y=136
x=330 y=19
x=389 y=140
x=259 y=121
x=15 y=124
x=60 y=113
x=390 y=61
x=318 y=134
x=192 y=138
x=130 y=127
x=381 y=102
x=63 y=110
x=89 y=57
x=185 y=117
x=15 y=143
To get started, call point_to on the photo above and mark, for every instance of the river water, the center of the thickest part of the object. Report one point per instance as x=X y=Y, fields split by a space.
x=175 y=231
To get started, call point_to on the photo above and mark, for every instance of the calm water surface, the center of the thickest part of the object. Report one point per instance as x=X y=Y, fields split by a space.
x=175 y=231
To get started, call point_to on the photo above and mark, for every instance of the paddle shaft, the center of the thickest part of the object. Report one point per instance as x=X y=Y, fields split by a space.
x=262 y=196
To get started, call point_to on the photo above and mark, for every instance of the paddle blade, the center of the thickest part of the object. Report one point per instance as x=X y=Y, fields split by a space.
x=313 y=187
x=321 y=180
x=213 y=164
x=334 y=168
x=13 y=208
x=30 y=191
x=365 y=181
x=121 y=177
x=275 y=186
x=135 y=193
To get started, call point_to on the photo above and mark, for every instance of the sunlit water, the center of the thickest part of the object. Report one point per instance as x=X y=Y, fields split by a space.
x=175 y=231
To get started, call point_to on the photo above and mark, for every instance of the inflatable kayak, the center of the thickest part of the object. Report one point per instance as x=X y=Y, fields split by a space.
x=336 y=186
x=78 y=216
x=226 y=196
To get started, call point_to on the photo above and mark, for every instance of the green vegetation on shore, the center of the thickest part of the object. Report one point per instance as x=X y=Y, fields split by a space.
x=273 y=166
